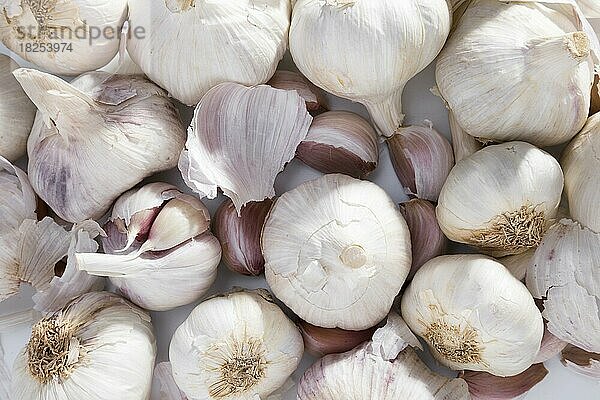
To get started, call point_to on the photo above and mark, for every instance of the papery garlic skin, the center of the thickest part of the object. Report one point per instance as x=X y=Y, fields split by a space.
x=288 y=80
x=590 y=8
x=582 y=362
x=372 y=49
x=501 y=199
x=551 y=346
x=392 y=338
x=168 y=389
x=474 y=315
x=237 y=345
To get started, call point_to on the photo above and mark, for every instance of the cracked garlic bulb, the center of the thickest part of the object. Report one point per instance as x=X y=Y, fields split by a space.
x=474 y=315
x=501 y=199
x=238 y=345
x=343 y=260
x=98 y=347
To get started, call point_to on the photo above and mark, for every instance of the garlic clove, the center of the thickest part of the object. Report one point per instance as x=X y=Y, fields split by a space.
x=7 y=323
x=395 y=336
x=321 y=341
x=463 y=144
x=551 y=346
x=595 y=102
x=17 y=198
x=518 y=264
x=484 y=386
x=163 y=374
x=582 y=362
x=288 y=80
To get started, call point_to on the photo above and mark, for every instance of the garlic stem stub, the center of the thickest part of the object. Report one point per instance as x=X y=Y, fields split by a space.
x=474 y=315
x=288 y=80
x=344 y=259
x=321 y=341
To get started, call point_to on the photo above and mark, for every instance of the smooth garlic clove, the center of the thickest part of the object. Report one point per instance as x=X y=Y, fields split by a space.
x=321 y=341
x=340 y=142
x=392 y=338
x=288 y=80
x=518 y=264
x=484 y=386
x=582 y=362
x=551 y=346
x=463 y=144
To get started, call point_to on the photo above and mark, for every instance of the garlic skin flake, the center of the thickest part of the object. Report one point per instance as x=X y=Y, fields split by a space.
x=98 y=347
x=97 y=137
x=240 y=139
x=229 y=41
x=501 y=199
x=474 y=315
x=373 y=49
x=392 y=338
x=348 y=238
x=288 y=80
x=237 y=346
x=582 y=362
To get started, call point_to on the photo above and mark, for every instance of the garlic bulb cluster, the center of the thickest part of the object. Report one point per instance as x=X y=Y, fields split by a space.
x=96 y=137
x=159 y=251
x=97 y=347
x=590 y=8
x=345 y=258
x=493 y=81
x=321 y=341
x=474 y=315
x=226 y=41
x=288 y=80
x=238 y=345
x=373 y=49
x=66 y=37
x=501 y=199
x=17 y=113
x=484 y=386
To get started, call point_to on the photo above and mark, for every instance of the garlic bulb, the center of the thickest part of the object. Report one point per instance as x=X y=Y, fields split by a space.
x=340 y=142
x=235 y=127
x=590 y=8
x=582 y=362
x=348 y=238
x=16 y=112
x=238 y=345
x=501 y=199
x=66 y=37
x=484 y=386
x=321 y=341
x=474 y=315
x=372 y=49
x=493 y=82
x=98 y=347
x=288 y=80
x=96 y=137
x=228 y=41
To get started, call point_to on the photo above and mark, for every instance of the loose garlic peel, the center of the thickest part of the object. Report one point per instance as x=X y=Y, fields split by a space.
x=474 y=315
x=582 y=362
x=501 y=199
x=590 y=8
x=348 y=239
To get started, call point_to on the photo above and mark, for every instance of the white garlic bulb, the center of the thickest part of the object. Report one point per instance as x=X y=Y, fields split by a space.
x=533 y=84
x=590 y=8
x=96 y=348
x=337 y=251
x=474 y=315
x=372 y=49
x=97 y=137
x=225 y=41
x=66 y=37
x=501 y=199
x=238 y=345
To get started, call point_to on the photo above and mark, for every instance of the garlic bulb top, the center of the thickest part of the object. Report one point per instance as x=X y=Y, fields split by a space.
x=367 y=50
x=518 y=71
x=337 y=251
x=228 y=41
x=66 y=37
x=96 y=137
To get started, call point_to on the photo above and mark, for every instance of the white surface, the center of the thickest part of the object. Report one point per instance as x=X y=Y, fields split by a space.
x=419 y=104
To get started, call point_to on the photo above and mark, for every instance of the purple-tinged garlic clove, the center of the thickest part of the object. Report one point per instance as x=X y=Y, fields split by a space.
x=321 y=341
x=484 y=386
x=288 y=80
x=551 y=346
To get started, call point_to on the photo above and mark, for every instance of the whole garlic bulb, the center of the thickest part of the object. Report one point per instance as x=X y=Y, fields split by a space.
x=97 y=137
x=494 y=82
x=98 y=347
x=372 y=49
x=590 y=8
x=474 y=315
x=238 y=41
x=65 y=37
x=238 y=345
x=501 y=199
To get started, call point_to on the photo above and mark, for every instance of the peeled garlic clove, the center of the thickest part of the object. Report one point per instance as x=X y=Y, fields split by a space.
x=341 y=235
x=233 y=127
x=370 y=52
x=590 y=8
x=235 y=345
x=97 y=137
x=320 y=341
x=484 y=386
x=551 y=346
x=463 y=144
x=501 y=199
x=240 y=235
x=395 y=336
x=582 y=362
x=474 y=315
x=169 y=390
x=288 y=80
x=518 y=264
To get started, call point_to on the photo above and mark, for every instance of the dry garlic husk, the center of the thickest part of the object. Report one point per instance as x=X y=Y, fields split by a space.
x=228 y=41
x=582 y=362
x=288 y=80
x=493 y=81
x=238 y=345
x=240 y=139
x=551 y=346
x=97 y=137
x=485 y=386
x=474 y=315
x=97 y=347
x=321 y=341
x=564 y=274
x=16 y=112
x=337 y=251
x=66 y=37
x=501 y=199
x=159 y=251
x=392 y=338
x=422 y=159
x=372 y=49
x=590 y=8
x=340 y=142
x=361 y=374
